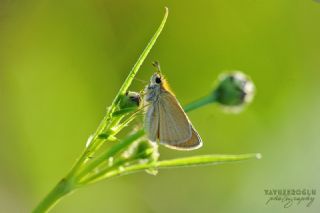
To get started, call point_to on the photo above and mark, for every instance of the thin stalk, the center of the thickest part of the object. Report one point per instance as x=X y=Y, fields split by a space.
x=96 y=143
x=113 y=151
x=106 y=170
x=200 y=103
x=179 y=162
x=64 y=187
x=205 y=160
x=61 y=189
x=142 y=57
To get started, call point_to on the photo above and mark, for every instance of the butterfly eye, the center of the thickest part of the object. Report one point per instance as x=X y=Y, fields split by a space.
x=158 y=80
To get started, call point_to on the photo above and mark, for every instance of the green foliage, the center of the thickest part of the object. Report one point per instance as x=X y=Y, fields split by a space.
x=131 y=154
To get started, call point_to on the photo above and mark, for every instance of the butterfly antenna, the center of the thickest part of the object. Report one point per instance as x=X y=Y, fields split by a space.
x=140 y=80
x=156 y=64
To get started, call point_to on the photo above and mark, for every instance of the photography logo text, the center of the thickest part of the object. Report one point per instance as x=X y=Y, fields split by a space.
x=290 y=197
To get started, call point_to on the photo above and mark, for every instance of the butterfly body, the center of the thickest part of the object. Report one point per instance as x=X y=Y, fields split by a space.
x=165 y=120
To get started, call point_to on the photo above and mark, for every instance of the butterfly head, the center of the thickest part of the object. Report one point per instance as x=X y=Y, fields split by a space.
x=156 y=79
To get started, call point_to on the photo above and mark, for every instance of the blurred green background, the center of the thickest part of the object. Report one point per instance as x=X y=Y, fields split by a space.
x=62 y=62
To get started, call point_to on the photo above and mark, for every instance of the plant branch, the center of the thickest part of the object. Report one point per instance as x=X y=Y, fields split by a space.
x=96 y=142
x=104 y=125
x=142 y=57
x=113 y=151
x=178 y=162
x=61 y=189
x=200 y=103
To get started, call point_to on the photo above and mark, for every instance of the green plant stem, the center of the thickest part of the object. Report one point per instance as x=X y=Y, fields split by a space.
x=56 y=193
x=142 y=57
x=200 y=103
x=113 y=151
x=205 y=160
x=175 y=163
x=64 y=187
x=96 y=143
x=105 y=170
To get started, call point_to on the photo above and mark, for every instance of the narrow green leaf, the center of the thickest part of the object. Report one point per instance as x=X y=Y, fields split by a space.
x=174 y=163
x=104 y=124
x=142 y=57
x=205 y=160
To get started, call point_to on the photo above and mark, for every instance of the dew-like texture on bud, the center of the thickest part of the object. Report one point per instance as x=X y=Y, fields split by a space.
x=130 y=100
x=234 y=89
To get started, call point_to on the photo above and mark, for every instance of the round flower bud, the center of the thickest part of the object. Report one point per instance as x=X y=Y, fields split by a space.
x=234 y=90
x=130 y=100
x=142 y=151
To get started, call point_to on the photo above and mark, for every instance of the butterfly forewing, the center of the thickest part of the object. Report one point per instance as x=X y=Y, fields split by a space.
x=194 y=142
x=175 y=129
